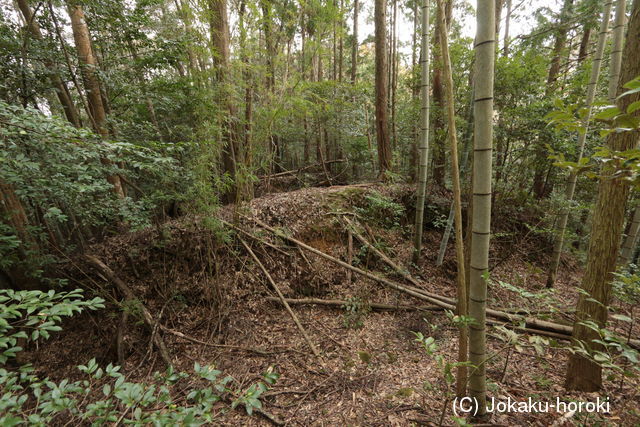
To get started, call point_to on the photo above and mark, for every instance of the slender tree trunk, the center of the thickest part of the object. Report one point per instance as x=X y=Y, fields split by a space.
x=185 y=16
x=341 y=43
x=541 y=162
x=616 y=49
x=12 y=212
x=354 y=47
x=245 y=186
x=424 y=131
x=463 y=342
x=439 y=158
x=219 y=28
x=631 y=239
x=59 y=86
x=481 y=221
x=573 y=178
x=382 y=92
x=507 y=22
x=498 y=19
x=608 y=219
x=583 y=51
x=394 y=73
x=415 y=91
x=270 y=46
x=91 y=83
x=630 y=242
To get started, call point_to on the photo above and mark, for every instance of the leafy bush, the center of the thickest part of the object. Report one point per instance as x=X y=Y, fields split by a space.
x=381 y=210
x=105 y=396
x=59 y=176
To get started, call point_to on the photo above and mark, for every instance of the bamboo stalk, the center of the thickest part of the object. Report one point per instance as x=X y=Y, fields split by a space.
x=424 y=132
x=528 y=322
x=462 y=310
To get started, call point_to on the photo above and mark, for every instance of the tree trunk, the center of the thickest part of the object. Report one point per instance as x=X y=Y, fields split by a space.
x=616 y=49
x=219 y=28
x=541 y=162
x=631 y=239
x=507 y=22
x=382 y=93
x=424 y=131
x=59 y=86
x=394 y=74
x=608 y=218
x=91 y=83
x=13 y=213
x=245 y=186
x=354 y=47
x=572 y=179
x=185 y=16
x=439 y=159
x=583 y=51
x=481 y=221
x=463 y=341
x=415 y=91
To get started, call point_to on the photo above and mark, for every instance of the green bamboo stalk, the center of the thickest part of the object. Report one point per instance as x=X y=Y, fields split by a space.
x=424 y=131
x=573 y=178
x=481 y=220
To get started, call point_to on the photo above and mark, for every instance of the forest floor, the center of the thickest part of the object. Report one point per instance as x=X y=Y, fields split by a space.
x=199 y=280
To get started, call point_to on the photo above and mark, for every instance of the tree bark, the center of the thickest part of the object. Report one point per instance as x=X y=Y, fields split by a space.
x=219 y=28
x=439 y=158
x=382 y=91
x=91 y=83
x=608 y=218
x=481 y=221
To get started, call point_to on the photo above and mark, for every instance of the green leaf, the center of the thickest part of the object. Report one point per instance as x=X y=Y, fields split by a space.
x=633 y=107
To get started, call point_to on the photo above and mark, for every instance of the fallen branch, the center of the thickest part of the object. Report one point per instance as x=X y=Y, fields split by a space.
x=130 y=296
x=341 y=303
x=297 y=171
x=530 y=323
x=264 y=242
x=282 y=299
x=208 y=344
x=405 y=274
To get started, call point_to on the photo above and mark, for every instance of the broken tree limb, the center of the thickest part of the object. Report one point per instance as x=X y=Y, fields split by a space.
x=341 y=303
x=389 y=283
x=397 y=268
x=129 y=295
x=282 y=299
x=208 y=344
x=264 y=242
x=297 y=171
x=527 y=322
x=391 y=307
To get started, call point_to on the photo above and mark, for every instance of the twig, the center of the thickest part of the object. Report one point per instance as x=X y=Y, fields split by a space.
x=533 y=325
x=264 y=242
x=341 y=303
x=207 y=344
x=282 y=299
x=129 y=295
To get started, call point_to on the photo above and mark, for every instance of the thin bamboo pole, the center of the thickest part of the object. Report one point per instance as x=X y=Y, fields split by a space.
x=424 y=132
